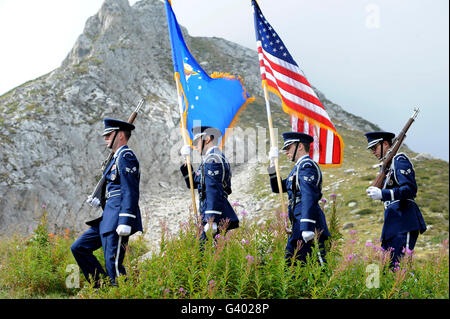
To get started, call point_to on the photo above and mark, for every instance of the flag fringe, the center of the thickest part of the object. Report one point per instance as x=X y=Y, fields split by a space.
x=235 y=120
x=216 y=75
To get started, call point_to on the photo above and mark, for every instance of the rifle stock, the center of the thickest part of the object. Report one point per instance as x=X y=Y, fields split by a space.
x=397 y=142
x=378 y=182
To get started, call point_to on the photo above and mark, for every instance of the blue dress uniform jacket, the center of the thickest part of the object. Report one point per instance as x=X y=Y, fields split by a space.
x=401 y=213
x=121 y=207
x=213 y=181
x=122 y=193
x=304 y=210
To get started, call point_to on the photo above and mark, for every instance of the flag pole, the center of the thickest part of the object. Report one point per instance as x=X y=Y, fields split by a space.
x=277 y=168
x=185 y=139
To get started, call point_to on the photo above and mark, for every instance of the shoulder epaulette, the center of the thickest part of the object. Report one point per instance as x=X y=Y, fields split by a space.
x=306 y=163
x=401 y=157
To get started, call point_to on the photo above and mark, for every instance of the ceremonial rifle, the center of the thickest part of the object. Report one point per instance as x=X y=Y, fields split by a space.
x=98 y=191
x=396 y=143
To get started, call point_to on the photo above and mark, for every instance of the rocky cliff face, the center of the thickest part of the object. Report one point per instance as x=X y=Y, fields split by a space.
x=51 y=144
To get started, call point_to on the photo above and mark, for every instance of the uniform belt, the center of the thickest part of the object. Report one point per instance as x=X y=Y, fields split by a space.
x=390 y=202
x=110 y=194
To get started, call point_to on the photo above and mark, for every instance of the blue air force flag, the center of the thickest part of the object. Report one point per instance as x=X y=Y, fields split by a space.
x=208 y=100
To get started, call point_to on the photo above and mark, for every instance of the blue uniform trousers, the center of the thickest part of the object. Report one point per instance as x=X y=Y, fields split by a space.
x=398 y=245
x=304 y=250
x=91 y=240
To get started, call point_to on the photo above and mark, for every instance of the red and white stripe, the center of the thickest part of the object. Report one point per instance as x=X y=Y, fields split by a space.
x=326 y=148
x=298 y=96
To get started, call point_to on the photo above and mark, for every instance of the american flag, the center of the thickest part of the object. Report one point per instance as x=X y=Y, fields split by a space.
x=281 y=75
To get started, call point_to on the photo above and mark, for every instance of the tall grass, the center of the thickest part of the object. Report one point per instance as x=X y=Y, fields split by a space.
x=35 y=266
x=247 y=262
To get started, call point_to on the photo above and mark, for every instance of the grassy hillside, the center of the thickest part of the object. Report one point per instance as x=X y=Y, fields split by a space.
x=244 y=263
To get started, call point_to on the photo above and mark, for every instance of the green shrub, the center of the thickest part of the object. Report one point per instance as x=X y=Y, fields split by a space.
x=37 y=265
x=247 y=262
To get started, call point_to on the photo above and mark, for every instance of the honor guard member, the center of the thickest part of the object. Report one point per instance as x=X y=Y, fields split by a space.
x=121 y=215
x=403 y=220
x=304 y=188
x=212 y=179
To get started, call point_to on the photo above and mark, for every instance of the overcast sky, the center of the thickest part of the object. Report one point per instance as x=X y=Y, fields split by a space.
x=377 y=59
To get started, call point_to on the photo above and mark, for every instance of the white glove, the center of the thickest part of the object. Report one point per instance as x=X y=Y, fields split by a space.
x=214 y=227
x=374 y=192
x=186 y=150
x=123 y=230
x=93 y=201
x=273 y=153
x=308 y=235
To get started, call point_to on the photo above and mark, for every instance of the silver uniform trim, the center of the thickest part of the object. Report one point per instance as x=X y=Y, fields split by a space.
x=198 y=135
x=393 y=165
x=220 y=160
x=299 y=163
x=219 y=156
x=119 y=152
x=374 y=142
x=407 y=241
x=289 y=142
x=114 y=193
x=213 y=212
x=116 y=261
x=126 y=215
x=318 y=173
x=390 y=202
x=307 y=220
x=109 y=130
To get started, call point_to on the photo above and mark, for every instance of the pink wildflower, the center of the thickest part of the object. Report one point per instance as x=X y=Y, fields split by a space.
x=408 y=251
